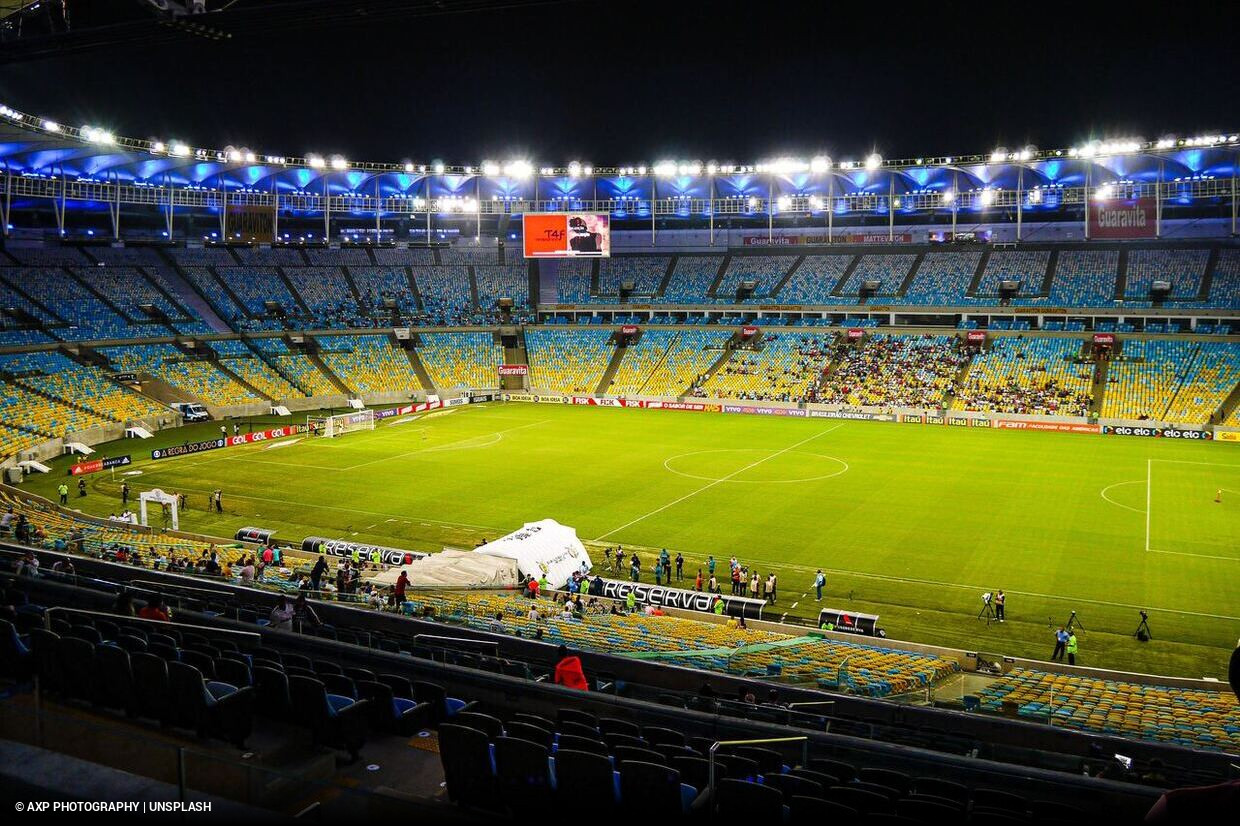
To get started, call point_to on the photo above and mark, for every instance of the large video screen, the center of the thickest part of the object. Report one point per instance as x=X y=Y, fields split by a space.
x=566 y=235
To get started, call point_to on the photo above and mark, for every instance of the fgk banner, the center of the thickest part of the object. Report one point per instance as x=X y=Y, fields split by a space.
x=846 y=622
x=1134 y=218
x=1057 y=427
x=96 y=465
x=343 y=547
x=1157 y=432
x=685 y=600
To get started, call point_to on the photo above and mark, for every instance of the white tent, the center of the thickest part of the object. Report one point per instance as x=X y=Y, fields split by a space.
x=458 y=568
x=543 y=547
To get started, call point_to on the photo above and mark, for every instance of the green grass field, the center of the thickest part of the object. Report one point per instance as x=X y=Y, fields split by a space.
x=911 y=522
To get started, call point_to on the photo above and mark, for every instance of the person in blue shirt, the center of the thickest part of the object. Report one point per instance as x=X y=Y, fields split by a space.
x=819 y=580
x=710 y=565
x=1061 y=642
x=658 y=571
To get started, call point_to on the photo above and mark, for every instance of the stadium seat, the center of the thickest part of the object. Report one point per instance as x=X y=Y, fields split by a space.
x=332 y=720
x=743 y=800
x=468 y=767
x=586 y=776
x=522 y=767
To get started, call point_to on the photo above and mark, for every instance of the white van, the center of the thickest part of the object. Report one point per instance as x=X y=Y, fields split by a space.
x=191 y=411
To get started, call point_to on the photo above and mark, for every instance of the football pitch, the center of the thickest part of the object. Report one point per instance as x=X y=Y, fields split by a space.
x=910 y=522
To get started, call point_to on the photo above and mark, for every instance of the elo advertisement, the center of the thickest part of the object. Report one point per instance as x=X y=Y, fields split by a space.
x=566 y=235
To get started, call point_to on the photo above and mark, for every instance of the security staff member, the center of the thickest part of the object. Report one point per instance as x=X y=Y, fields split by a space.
x=1071 y=648
x=63 y=490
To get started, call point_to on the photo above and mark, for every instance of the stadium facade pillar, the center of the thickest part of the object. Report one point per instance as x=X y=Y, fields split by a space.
x=168 y=211
x=275 y=211
x=327 y=209
x=710 y=204
x=1158 y=205
x=955 y=199
x=114 y=208
x=1235 y=163
x=223 y=209
x=770 y=209
x=1020 y=199
x=378 y=211
x=60 y=212
x=891 y=207
x=830 y=204
x=477 y=208
x=654 y=199
x=8 y=199
x=1088 y=178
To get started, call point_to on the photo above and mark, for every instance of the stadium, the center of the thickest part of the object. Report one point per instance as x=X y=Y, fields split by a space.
x=902 y=489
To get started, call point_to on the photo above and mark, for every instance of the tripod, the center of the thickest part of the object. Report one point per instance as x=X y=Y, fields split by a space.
x=1074 y=622
x=1144 y=626
x=987 y=611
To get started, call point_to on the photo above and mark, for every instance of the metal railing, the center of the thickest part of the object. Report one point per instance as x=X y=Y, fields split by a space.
x=714 y=747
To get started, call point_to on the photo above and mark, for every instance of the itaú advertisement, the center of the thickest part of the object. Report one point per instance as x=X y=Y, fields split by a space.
x=566 y=235
x=1132 y=218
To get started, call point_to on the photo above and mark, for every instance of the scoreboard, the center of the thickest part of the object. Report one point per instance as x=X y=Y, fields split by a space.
x=566 y=235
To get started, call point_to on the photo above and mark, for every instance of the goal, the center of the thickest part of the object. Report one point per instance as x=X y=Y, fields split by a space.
x=332 y=426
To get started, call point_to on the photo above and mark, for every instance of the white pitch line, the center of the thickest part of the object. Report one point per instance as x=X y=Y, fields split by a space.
x=1202 y=556
x=441 y=447
x=1103 y=494
x=1149 y=491
x=718 y=481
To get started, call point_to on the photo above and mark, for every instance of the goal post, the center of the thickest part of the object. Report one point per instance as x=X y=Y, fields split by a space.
x=340 y=424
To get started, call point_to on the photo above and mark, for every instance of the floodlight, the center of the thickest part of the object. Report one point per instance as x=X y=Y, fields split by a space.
x=339 y=163
x=949 y=196
x=315 y=161
x=820 y=164
x=641 y=170
x=490 y=168
x=873 y=162
x=518 y=169
x=998 y=156
x=784 y=202
x=408 y=166
x=665 y=169
x=438 y=167
x=815 y=202
x=711 y=168
x=179 y=149
x=988 y=197
x=234 y=155
x=574 y=168
x=1103 y=192
x=51 y=126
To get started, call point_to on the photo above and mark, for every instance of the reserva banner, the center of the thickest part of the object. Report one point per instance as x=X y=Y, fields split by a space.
x=514 y=369
x=685 y=600
x=344 y=547
x=1058 y=427
x=1157 y=432
x=96 y=465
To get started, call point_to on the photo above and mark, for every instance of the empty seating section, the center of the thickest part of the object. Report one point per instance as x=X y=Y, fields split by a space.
x=190 y=375
x=348 y=256
x=508 y=281
x=466 y=360
x=59 y=376
x=128 y=288
x=905 y=371
x=297 y=367
x=691 y=279
x=88 y=316
x=813 y=281
x=469 y=254
x=446 y=294
x=126 y=256
x=13 y=440
x=785 y=369
x=236 y=357
x=21 y=337
x=1028 y=267
x=1225 y=286
x=205 y=281
x=891 y=270
x=10 y=297
x=370 y=364
x=1188 y=717
x=326 y=293
x=49 y=256
x=568 y=362
x=1141 y=383
x=766 y=271
x=1028 y=376
x=870 y=670
x=1209 y=382
x=374 y=284
x=28 y=410
x=387 y=256
x=646 y=272
x=942 y=278
x=255 y=286
x=1183 y=268
x=1085 y=278
x=689 y=356
x=639 y=362
x=270 y=256
x=201 y=256
x=572 y=285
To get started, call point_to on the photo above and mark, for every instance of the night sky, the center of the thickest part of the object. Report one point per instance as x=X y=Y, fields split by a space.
x=634 y=82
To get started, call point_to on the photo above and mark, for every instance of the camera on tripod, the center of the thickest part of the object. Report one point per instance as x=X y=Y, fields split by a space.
x=986 y=597
x=1143 y=633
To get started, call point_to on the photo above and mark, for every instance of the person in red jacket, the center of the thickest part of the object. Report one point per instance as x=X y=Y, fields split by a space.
x=568 y=671
x=154 y=609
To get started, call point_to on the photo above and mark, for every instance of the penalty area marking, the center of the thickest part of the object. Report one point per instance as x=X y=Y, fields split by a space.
x=667 y=465
x=1121 y=504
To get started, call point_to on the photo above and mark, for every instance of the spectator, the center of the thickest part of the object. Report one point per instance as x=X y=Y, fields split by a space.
x=123 y=604
x=155 y=609
x=304 y=613
x=282 y=614
x=568 y=671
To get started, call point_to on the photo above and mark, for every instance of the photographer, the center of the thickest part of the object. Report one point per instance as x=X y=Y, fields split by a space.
x=999 y=598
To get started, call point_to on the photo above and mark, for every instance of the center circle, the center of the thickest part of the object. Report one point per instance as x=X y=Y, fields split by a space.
x=812 y=460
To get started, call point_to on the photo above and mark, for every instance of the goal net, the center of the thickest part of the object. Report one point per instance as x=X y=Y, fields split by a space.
x=339 y=425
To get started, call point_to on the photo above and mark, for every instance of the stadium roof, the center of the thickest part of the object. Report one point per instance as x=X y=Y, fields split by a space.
x=36 y=146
